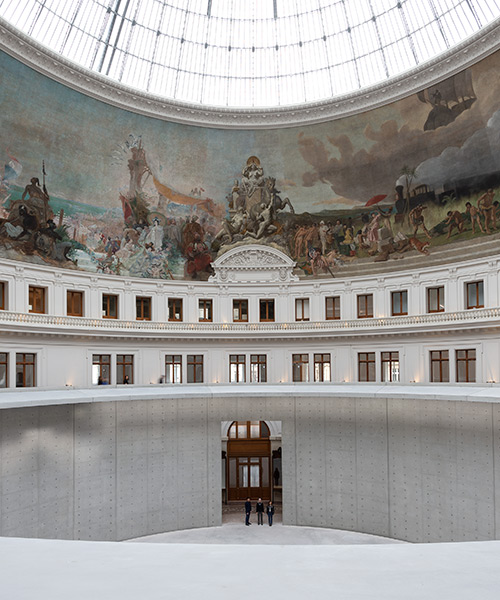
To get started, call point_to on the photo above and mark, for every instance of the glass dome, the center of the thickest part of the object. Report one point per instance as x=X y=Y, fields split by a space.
x=250 y=53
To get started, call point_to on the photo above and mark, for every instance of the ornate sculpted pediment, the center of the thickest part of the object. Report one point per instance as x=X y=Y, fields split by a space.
x=253 y=264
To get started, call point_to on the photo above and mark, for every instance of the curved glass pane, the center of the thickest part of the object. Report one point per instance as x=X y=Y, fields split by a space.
x=255 y=53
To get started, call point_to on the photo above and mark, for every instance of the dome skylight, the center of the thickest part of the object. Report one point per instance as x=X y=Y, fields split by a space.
x=249 y=53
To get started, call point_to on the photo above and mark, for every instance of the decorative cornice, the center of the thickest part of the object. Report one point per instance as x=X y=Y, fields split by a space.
x=43 y=60
x=253 y=263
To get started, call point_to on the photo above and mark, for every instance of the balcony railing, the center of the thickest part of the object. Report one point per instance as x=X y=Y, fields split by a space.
x=466 y=318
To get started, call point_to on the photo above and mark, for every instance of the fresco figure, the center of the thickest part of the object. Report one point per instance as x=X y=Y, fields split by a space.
x=474 y=215
x=485 y=205
x=417 y=220
x=454 y=221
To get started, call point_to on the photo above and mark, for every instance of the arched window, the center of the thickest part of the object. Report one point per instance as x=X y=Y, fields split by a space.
x=248 y=430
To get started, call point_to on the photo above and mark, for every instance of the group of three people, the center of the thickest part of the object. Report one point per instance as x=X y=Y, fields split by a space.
x=259 y=509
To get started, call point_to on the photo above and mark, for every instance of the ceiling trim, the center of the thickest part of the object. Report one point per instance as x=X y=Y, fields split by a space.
x=45 y=61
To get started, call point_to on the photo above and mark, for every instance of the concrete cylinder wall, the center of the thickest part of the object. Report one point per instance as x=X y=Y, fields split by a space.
x=421 y=470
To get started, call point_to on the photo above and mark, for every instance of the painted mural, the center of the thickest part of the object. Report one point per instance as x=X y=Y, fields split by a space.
x=92 y=187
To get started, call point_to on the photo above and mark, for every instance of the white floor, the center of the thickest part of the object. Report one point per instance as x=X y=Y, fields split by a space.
x=235 y=532
x=65 y=570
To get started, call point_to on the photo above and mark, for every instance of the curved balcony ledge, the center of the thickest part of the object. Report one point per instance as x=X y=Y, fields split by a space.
x=485 y=318
x=469 y=392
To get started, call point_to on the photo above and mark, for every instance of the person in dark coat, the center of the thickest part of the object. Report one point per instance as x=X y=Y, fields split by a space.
x=259 y=509
x=270 y=513
x=248 y=510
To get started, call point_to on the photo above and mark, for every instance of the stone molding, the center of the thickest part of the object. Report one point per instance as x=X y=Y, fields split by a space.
x=253 y=264
x=35 y=55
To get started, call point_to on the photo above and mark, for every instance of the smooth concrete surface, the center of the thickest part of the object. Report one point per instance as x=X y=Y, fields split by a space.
x=420 y=470
x=58 y=570
x=237 y=533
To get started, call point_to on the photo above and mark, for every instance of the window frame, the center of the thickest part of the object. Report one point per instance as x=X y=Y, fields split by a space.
x=368 y=364
x=319 y=372
x=267 y=303
x=195 y=363
x=403 y=300
x=479 y=292
x=106 y=306
x=389 y=360
x=172 y=364
x=258 y=366
x=335 y=300
x=205 y=305
x=237 y=368
x=101 y=363
x=301 y=366
x=3 y=295
x=367 y=299
x=140 y=302
x=25 y=363
x=175 y=314
x=302 y=309
x=34 y=299
x=440 y=291
x=4 y=360
x=239 y=304
x=124 y=363
x=70 y=303
x=440 y=361
x=468 y=361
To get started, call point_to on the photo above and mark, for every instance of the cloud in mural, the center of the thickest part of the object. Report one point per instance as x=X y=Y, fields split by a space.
x=479 y=155
x=374 y=169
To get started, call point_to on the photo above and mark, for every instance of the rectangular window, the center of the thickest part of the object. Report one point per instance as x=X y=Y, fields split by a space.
x=205 y=311
x=365 y=306
x=25 y=370
x=466 y=366
x=435 y=299
x=143 y=308
x=109 y=306
x=366 y=366
x=240 y=311
x=3 y=295
x=322 y=367
x=36 y=300
x=125 y=368
x=101 y=369
x=390 y=366
x=332 y=308
x=474 y=293
x=175 y=309
x=399 y=303
x=4 y=369
x=236 y=368
x=258 y=368
x=301 y=309
x=440 y=366
x=173 y=368
x=300 y=367
x=195 y=368
x=266 y=310
x=74 y=303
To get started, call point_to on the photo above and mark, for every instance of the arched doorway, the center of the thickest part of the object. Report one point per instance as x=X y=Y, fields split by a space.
x=248 y=461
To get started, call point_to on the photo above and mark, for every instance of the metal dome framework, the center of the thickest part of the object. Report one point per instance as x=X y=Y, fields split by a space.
x=250 y=54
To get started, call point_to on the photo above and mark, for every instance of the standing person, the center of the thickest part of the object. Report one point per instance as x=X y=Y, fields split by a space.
x=270 y=513
x=474 y=215
x=248 y=510
x=126 y=379
x=259 y=509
